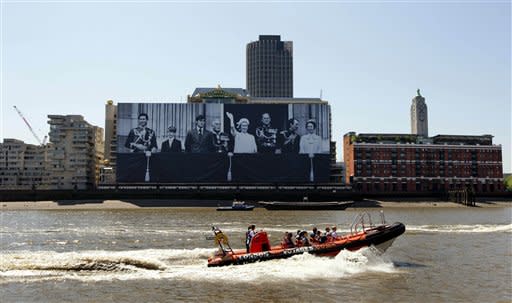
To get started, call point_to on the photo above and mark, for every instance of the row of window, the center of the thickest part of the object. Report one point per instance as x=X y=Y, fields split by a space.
x=424 y=187
x=442 y=162
x=431 y=149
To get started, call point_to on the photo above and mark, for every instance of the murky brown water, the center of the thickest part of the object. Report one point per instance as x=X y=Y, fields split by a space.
x=157 y=255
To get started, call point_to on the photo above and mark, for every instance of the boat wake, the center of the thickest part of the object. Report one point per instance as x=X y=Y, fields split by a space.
x=182 y=264
x=308 y=267
x=86 y=261
x=476 y=228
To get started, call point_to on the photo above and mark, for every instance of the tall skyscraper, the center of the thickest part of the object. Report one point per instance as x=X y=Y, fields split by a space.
x=270 y=67
x=419 y=117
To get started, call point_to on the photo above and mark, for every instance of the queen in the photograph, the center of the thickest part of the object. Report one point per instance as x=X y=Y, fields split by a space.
x=310 y=143
x=244 y=142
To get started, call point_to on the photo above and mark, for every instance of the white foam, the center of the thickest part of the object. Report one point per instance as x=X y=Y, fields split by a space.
x=306 y=267
x=476 y=228
x=181 y=264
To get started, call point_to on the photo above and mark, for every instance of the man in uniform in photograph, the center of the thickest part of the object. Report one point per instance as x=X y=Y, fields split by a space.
x=220 y=139
x=141 y=138
x=171 y=145
x=199 y=139
x=289 y=140
x=266 y=135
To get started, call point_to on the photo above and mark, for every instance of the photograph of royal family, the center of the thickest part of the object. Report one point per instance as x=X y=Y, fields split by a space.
x=184 y=142
x=223 y=128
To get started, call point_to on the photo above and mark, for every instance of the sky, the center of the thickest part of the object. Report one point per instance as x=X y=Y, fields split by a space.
x=366 y=58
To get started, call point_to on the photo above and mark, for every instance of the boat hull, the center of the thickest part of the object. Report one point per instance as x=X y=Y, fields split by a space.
x=229 y=208
x=379 y=236
x=306 y=205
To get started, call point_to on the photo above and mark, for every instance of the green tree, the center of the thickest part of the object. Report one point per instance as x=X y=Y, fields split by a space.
x=508 y=183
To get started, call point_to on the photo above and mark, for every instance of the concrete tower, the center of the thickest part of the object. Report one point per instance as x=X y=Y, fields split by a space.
x=419 y=116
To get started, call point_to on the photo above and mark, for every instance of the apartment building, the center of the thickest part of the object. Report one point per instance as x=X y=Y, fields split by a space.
x=75 y=153
x=23 y=166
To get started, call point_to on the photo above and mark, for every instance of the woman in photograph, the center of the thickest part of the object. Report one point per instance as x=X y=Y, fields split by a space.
x=244 y=142
x=310 y=143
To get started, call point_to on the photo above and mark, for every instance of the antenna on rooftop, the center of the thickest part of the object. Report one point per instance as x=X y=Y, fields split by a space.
x=320 y=94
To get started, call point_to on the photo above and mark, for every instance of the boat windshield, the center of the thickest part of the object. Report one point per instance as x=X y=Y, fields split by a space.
x=238 y=203
x=363 y=221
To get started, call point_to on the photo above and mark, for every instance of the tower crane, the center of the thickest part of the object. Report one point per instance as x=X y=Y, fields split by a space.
x=30 y=127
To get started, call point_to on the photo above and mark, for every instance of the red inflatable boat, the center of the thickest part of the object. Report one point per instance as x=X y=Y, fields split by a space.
x=363 y=233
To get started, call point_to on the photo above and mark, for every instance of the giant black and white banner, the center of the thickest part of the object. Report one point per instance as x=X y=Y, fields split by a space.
x=188 y=142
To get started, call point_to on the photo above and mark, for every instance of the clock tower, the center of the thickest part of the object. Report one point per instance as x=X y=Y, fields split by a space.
x=419 y=117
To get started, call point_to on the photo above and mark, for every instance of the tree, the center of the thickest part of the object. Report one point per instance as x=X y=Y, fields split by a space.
x=508 y=183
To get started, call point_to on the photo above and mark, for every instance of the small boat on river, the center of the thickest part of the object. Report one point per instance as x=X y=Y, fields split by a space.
x=363 y=233
x=237 y=205
x=305 y=205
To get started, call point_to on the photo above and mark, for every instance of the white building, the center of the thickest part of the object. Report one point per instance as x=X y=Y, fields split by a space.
x=75 y=152
x=23 y=166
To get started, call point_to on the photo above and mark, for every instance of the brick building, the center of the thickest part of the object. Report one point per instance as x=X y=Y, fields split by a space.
x=412 y=163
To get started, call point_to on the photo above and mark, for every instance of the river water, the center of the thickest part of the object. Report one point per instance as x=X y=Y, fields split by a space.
x=160 y=255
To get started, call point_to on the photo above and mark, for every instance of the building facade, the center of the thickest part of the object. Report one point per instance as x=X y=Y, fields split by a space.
x=75 y=153
x=23 y=166
x=239 y=95
x=269 y=67
x=216 y=95
x=110 y=133
x=337 y=173
x=404 y=163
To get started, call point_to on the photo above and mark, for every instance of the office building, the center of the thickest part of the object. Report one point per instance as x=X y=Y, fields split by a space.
x=269 y=67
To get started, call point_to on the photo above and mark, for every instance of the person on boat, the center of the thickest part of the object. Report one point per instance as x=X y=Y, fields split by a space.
x=319 y=238
x=313 y=234
x=249 y=235
x=334 y=234
x=327 y=235
x=327 y=231
x=303 y=239
x=287 y=240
